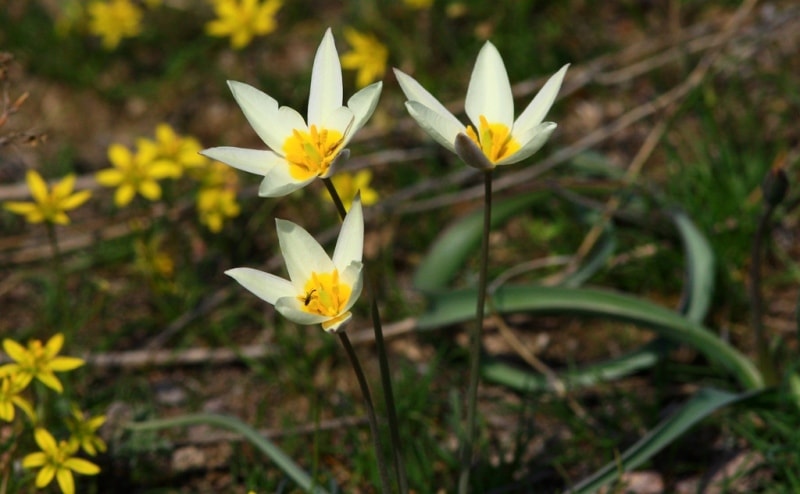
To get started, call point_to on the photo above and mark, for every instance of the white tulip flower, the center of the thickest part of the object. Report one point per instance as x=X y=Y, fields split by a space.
x=490 y=108
x=300 y=151
x=320 y=290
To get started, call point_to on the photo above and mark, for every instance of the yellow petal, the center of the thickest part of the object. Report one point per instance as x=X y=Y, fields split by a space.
x=34 y=460
x=65 y=481
x=18 y=207
x=50 y=380
x=64 y=187
x=82 y=466
x=45 y=476
x=37 y=185
x=63 y=364
x=45 y=440
x=16 y=351
x=54 y=345
x=76 y=199
x=110 y=177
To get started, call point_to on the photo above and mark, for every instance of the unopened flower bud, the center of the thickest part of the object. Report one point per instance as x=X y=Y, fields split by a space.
x=775 y=186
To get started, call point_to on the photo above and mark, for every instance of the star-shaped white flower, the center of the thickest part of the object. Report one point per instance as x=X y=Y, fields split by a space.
x=320 y=290
x=490 y=107
x=300 y=150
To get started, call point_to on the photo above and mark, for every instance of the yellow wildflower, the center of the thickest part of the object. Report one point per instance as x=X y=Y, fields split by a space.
x=50 y=205
x=418 y=4
x=349 y=184
x=182 y=151
x=38 y=361
x=243 y=19
x=152 y=260
x=57 y=460
x=214 y=204
x=83 y=432
x=136 y=173
x=215 y=174
x=368 y=57
x=114 y=20
x=11 y=386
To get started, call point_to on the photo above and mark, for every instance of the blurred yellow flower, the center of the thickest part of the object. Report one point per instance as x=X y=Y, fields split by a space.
x=50 y=205
x=114 y=20
x=243 y=19
x=182 y=151
x=57 y=460
x=38 y=361
x=152 y=260
x=368 y=57
x=214 y=204
x=348 y=184
x=83 y=432
x=215 y=174
x=418 y=4
x=136 y=173
x=11 y=386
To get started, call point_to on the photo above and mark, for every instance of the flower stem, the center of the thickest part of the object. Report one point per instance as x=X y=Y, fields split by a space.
x=765 y=362
x=373 y=421
x=475 y=341
x=383 y=361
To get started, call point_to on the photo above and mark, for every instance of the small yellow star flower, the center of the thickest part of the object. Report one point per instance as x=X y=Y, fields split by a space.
x=243 y=19
x=57 y=460
x=38 y=361
x=418 y=4
x=182 y=151
x=368 y=57
x=114 y=20
x=50 y=205
x=214 y=204
x=83 y=432
x=136 y=173
x=11 y=386
x=349 y=184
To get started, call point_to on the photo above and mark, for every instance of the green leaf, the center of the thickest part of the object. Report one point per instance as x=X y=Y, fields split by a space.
x=459 y=306
x=277 y=455
x=699 y=288
x=702 y=404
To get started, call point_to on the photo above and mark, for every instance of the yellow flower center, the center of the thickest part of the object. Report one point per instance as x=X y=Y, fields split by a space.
x=494 y=140
x=325 y=294
x=311 y=153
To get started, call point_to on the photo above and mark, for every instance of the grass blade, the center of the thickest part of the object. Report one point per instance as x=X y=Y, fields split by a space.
x=277 y=455
x=702 y=404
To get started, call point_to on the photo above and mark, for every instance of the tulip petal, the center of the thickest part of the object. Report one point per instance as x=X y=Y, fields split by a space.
x=302 y=254
x=363 y=104
x=265 y=286
x=350 y=245
x=332 y=325
x=325 y=94
x=489 y=91
x=534 y=140
x=279 y=182
x=291 y=308
x=415 y=92
x=255 y=161
x=260 y=109
x=351 y=275
x=440 y=127
x=534 y=114
x=340 y=119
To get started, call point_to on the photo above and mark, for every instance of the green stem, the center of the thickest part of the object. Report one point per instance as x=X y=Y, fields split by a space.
x=475 y=341
x=386 y=379
x=373 y=420
x=765 y=363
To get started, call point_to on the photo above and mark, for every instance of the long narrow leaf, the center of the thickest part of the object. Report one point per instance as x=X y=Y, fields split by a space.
x=699 y=288
x=459 y=306
x=702 y=404
x=277 y=455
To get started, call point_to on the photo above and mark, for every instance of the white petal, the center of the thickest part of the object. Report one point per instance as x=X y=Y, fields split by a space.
x=333 y=328
x=302 y=254
x=352 y=275
x=291 y=309
x=363 y=104
x=340 y=119
x=415 y=92
x=537 y=109
x=249 y=160
x=489 y=92
x=532 y=142
x=440 y=127
x=326 y=81
x=265 y=286
x=260 y=109
x=279 y=182
x=287 y=120
x=350 y=245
